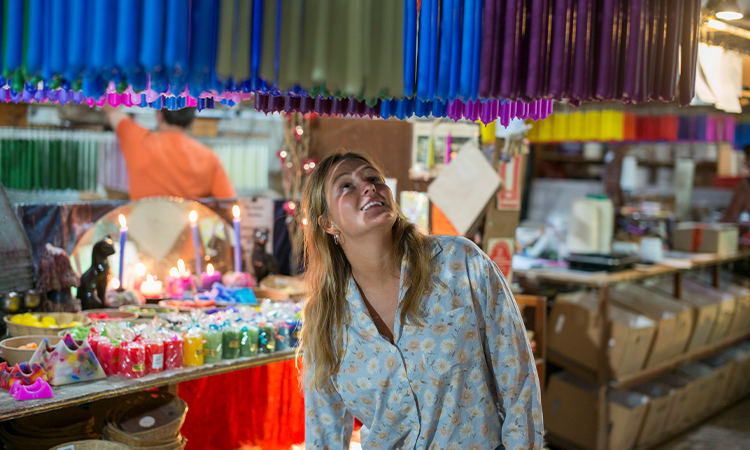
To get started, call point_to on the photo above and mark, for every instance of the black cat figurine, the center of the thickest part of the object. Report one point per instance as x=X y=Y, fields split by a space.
x=264 y=264
x=93 y=286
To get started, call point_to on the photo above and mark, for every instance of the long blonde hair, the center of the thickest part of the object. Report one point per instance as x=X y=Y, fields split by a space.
x=328 y=271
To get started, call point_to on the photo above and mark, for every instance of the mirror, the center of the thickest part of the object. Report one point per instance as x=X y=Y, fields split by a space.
x=159 y=234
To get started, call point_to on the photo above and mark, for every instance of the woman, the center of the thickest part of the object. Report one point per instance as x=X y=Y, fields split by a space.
x=400 y=327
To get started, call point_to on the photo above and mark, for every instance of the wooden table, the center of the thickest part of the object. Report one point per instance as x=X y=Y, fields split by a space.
x=112 y=386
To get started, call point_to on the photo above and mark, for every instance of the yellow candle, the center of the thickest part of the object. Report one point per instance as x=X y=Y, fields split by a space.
x=193 y=355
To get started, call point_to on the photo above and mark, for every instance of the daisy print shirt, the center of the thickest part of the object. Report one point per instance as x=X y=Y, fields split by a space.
x=433 y=388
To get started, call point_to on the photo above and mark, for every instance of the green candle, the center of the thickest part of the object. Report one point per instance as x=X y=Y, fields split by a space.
x=249 y=341
x=212 y=345
x=267 y=338
x=231 y=343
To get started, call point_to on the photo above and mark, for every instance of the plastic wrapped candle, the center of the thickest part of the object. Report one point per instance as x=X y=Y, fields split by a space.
x=249 y=341
x=231 y=342
x=193 y=355
x=295 y=327
x=154 y=356
x=267 y=338
x=210 y=276
x=132 y=360
x=173 y=352
x=212 y=348
x=108 y=355
x=282 y=336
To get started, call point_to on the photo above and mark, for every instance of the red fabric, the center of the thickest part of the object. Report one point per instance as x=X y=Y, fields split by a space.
x=262 y=406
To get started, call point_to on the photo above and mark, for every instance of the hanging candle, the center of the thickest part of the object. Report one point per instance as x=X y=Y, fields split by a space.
x=237 y=246
x=196 y=241
x=123 y=240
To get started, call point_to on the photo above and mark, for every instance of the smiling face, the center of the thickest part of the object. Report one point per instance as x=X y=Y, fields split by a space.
x=359 y=202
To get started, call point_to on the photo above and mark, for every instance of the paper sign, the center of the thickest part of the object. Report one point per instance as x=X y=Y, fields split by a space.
x=464 y=188
x=255 y=213
x=500 y=250
x=509 y=196
x=415 y=206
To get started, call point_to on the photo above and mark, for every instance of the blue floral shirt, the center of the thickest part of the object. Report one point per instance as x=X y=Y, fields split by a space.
x=433 y=388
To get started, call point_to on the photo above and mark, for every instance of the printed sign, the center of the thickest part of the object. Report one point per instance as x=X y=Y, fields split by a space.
x=509 y=196
x=501 y=252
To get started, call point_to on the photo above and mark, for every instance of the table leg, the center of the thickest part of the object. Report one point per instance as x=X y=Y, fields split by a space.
x=602 y=435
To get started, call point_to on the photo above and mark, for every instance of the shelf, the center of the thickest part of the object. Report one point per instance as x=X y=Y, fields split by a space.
x=78 y=393
x=578 y=159
x=598 y=279
x=571 y=366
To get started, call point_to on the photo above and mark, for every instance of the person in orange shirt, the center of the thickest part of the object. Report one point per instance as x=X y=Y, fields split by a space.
x=168 y=162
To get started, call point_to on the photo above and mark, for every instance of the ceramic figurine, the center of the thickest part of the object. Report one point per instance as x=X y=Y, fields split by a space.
x=92 y=291
x=264 y=264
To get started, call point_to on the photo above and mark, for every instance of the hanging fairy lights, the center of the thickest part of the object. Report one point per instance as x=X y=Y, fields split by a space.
x=472 y=59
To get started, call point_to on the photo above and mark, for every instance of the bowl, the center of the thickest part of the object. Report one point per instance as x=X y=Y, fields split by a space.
x=15 y=355
x=15 y=329
x=115 y=315
x=291 y=286
x=148 y=311
x=274 y=295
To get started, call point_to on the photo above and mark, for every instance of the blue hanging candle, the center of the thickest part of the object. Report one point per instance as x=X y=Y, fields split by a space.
x=410 y=45
x=476 y=50
x=101 y=59
x=256 y=44
x=78 y=43
x=176 y=38
x=36 y=35
x=201 y=48
x=126 y=44
x=151 y=56
x=58 y=55
x=457 y=33
x=444 y=64
x=12 y=37
x=467 y=50
x=423 y=66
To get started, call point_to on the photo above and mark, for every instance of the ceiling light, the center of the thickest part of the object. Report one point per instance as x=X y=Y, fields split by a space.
x=728 y=10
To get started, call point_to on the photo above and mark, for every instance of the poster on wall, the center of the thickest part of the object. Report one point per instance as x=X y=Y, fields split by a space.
x=255 y=213
x=415 y=206
x=500 y=250
x=509 y=195
x=429 y=149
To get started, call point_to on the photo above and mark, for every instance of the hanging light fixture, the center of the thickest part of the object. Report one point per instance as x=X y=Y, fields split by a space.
x=728 y=10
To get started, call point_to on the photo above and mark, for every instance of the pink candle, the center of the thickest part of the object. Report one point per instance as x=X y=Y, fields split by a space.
x=173 y=353
x=209 y=277
x=108 y=355
x=132 y=360
x=154 y=356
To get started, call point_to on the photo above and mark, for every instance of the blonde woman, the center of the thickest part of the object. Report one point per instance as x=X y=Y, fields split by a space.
x=417 y=337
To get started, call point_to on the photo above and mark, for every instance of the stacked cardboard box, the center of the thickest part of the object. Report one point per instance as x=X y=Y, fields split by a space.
x=682 y=390
x=722 y=239
x=739 y=379
x=574 y=328
x=660 y=400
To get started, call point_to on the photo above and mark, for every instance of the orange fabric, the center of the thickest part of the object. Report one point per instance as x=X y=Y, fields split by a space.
x=170 y=164
x=441 y=225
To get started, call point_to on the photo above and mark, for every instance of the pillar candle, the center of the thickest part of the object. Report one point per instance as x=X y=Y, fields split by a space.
x=282 y=337
x=231 y=343
x=132 y=360
x=175 y=284
x=209 y=277
x=196 y=241
x=249 y=341
x=174 y=353
x=295 y=327
x=267 y=338
x=107 y=354
x=193 y=354
x=154 y=356
x=212 y=347
x=237 y=246
x=123 y=239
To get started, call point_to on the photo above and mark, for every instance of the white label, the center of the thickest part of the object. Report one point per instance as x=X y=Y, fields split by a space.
x=147 y=422
x=158 y=361
x=559 y=324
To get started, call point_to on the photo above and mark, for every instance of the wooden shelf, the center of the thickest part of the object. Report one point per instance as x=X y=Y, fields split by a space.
x=578 y=159
x=78 y=393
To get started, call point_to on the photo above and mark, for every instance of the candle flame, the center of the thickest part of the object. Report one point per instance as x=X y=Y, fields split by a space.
x=181 y=265
x=121 y=218
x=149 y=279
x=193 y=216
x=140 y=269
x=210 y=269
x=173 y=272
x=115 y=283
x=236 y=211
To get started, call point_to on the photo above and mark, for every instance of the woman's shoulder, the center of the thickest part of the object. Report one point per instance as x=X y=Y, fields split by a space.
x=457 y=246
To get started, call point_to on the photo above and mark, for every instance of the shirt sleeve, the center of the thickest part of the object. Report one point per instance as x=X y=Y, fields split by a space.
x=221 y=186
x=131 y=136
x=513 y=364
x=328 y=424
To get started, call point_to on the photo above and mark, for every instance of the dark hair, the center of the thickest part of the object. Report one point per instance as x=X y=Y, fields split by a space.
x=180 y=117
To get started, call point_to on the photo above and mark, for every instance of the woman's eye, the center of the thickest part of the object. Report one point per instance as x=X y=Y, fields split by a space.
x=346 y=186
x=375 y=179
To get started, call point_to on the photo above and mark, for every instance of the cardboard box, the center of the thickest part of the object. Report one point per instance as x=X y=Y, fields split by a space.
x=723 y=370
x=570 y=412
x=722 y=239
x=739 y=378
x=660 y=398
x=705 y=314
x=681 y=387
x=574 y=328
x=727 y=306
x=741 y=321
x=674 y=319
x=702 y=378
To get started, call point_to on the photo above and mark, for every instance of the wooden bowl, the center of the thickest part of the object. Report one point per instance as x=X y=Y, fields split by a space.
x=291 y=286
x=15 y=329
x=14 y=355
x=272 y=294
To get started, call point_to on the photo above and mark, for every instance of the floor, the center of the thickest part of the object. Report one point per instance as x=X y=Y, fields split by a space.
x=730 y=430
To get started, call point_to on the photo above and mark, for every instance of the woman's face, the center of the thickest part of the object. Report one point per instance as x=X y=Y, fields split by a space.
x=358 y=199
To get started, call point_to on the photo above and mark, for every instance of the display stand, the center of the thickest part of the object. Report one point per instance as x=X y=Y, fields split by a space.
x=601 y=281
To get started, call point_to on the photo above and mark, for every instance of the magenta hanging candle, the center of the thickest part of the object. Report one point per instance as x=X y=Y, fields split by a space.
x=123 y=239
x=448 y=148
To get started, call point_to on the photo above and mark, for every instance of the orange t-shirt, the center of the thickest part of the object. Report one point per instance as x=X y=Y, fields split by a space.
x=170 y=164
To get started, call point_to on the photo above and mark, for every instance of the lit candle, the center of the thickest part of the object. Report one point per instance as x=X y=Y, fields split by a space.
x=196 y=241
x=448 y=148
x=123 y=238
x=187 y=276
x=237 y=248
x=140 y=275
x=209 y=277
x=115 y=283
x=174 y=284
x=151 y=288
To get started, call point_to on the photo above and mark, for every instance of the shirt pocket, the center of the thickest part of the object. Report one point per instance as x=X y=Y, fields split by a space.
x=453 y=341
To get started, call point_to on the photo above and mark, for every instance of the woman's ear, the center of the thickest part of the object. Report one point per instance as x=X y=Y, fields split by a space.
x=327 y=225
